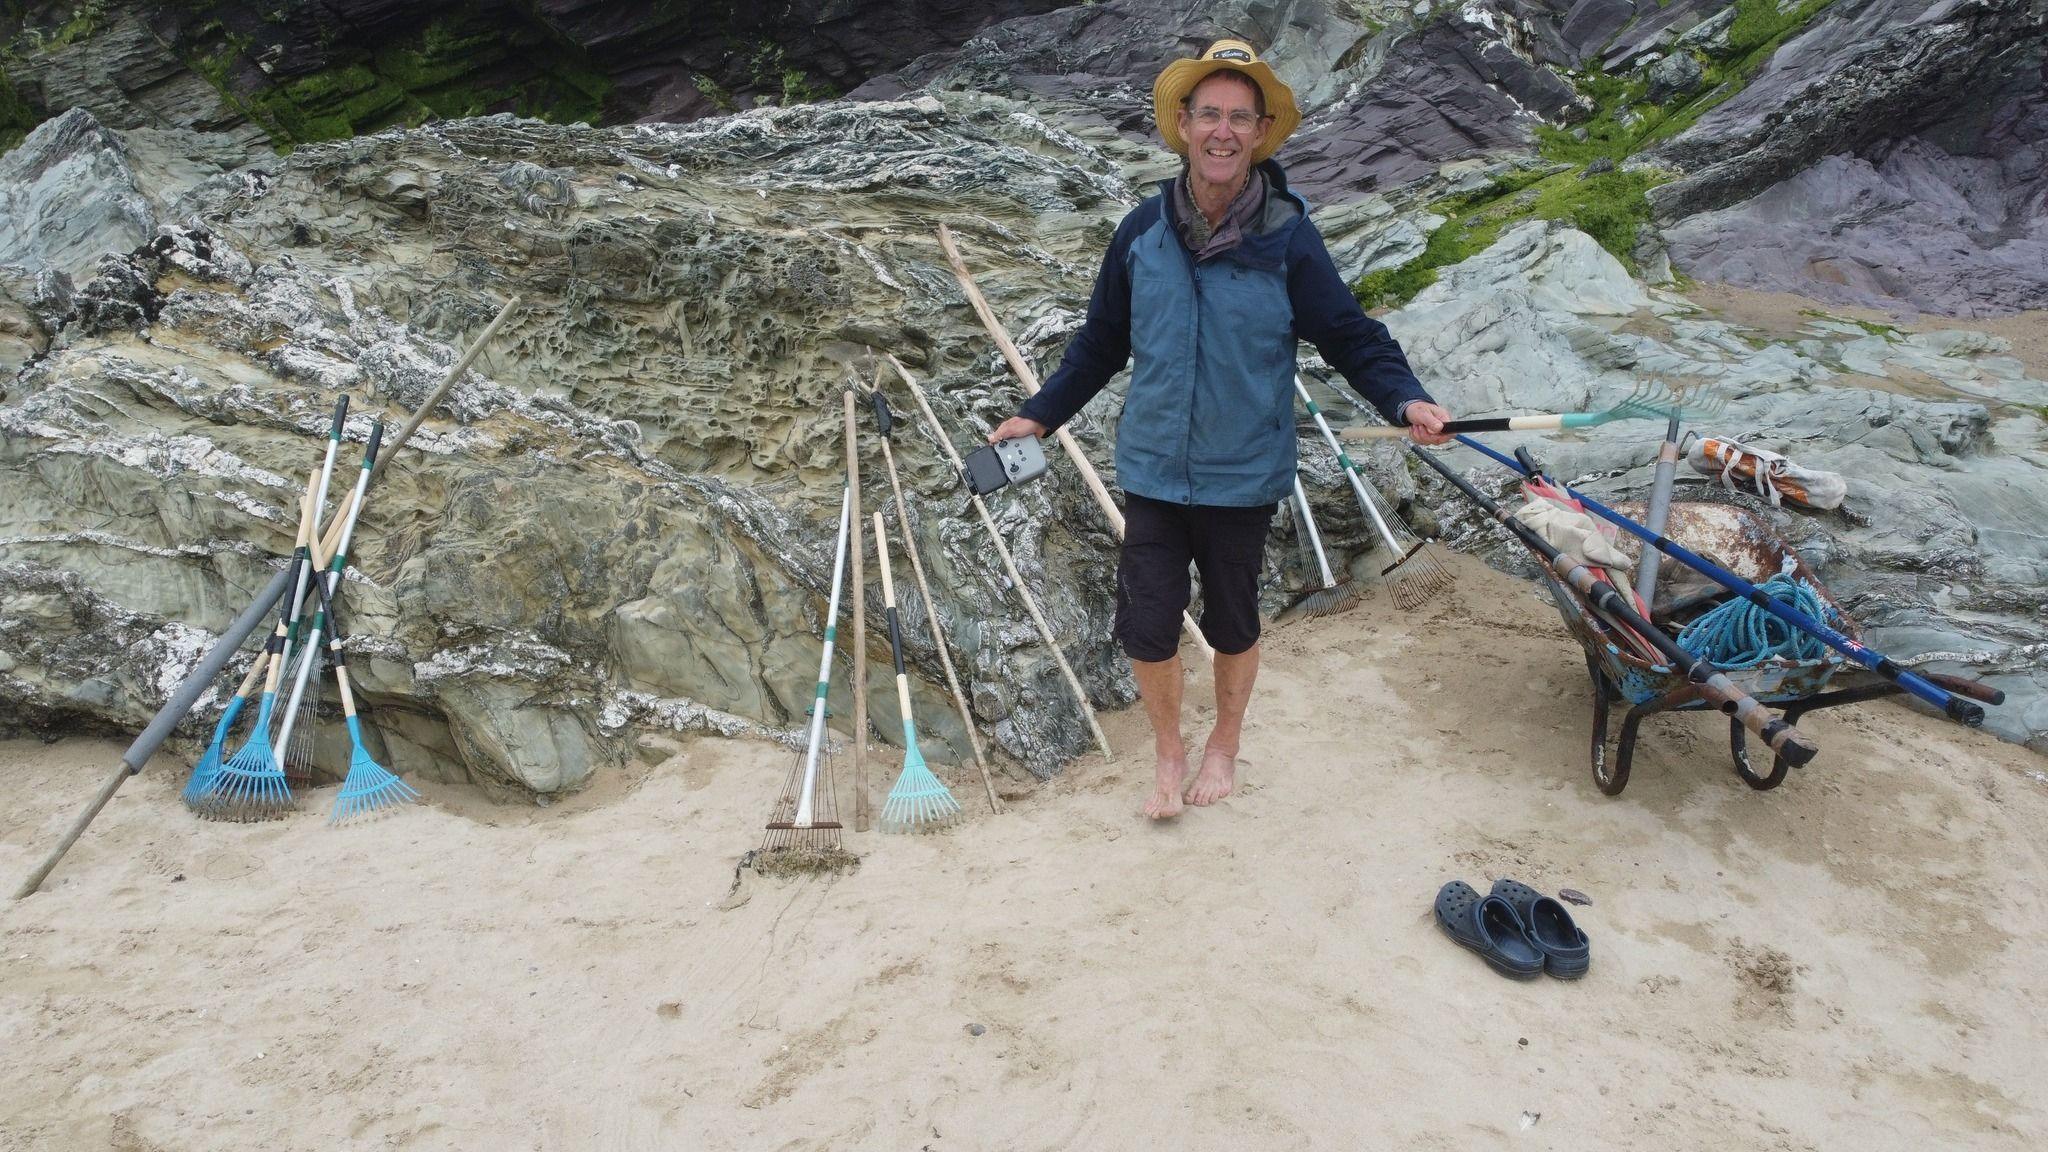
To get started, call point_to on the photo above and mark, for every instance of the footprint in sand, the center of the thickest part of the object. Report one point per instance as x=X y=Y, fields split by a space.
x=228 y=864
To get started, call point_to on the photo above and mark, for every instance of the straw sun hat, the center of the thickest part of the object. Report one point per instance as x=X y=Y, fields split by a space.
x=1180 y=77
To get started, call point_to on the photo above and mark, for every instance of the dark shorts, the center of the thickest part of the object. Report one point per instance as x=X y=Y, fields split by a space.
x=1226 y=545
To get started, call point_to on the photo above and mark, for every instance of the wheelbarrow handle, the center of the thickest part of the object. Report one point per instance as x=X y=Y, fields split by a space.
x=1975 y=690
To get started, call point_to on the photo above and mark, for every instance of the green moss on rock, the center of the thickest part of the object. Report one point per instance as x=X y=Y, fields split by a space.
x=1607 y=206
x=442 y=72
x=16 y=117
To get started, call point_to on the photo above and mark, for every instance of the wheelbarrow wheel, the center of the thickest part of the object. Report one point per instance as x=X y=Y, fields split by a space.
x=1738 y=746
x=1610 y=774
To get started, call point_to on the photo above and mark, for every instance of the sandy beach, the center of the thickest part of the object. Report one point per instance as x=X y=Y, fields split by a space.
x=1852 y=961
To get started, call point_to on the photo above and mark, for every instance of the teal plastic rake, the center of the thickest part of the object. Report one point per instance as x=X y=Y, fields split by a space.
x=919 y=802
x=1650 y=400
x=208 y=767
x=250 y=785
x=369 y=786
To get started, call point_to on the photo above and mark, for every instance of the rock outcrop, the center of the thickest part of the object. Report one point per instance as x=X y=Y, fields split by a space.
x=1862 y=72
x=1386 y=104
x=1952 y=221
x=628 y=520
x=621 y=520
x=287 y=74
x=68 y=196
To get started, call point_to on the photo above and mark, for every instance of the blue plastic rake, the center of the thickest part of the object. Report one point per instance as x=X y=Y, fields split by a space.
x=369 y=786
x=251 y=786
x=919 y=800
x=208 y=768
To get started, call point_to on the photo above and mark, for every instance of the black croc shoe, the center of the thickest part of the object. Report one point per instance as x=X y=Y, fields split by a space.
x=1567 y=952
x=1489 y=926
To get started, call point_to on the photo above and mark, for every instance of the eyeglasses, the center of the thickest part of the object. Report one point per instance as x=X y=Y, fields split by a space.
x=1242 y=120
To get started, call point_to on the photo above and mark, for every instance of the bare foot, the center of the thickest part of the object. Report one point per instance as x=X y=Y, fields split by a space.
x=1217 y=778
x=1165 y=801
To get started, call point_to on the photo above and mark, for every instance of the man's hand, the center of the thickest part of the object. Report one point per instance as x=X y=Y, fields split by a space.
x=1425 y=423
x=1018 y=427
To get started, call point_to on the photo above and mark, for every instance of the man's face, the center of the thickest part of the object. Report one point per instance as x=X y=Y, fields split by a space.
x=1222 y=126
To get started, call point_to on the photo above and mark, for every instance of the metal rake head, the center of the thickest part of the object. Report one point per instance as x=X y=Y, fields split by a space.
x=823 y=832
x=298 y=753
x=1419 y=576
x=1342 y=596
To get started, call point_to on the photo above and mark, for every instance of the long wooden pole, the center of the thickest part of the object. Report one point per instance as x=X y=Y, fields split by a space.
x=860 y=633
x=1045 y=632
x=1029 y=379
x=448 y=381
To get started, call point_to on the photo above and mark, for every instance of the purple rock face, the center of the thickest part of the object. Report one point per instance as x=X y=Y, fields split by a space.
x=1906 y=225
x=1100 y=56
x=1860 y=74
x=1591 y=23
x=1657 y=29
x=651 y=49
x=1462 y=86
x=1435 y=102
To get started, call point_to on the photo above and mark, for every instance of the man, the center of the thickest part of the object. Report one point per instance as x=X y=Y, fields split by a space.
x=1206 y=290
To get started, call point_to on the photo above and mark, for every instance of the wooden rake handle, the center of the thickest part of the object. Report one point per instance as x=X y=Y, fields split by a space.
x=1029 y=379
x=1487 y=424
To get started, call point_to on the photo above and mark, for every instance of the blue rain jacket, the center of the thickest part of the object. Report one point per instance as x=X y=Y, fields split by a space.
x=1209 y=415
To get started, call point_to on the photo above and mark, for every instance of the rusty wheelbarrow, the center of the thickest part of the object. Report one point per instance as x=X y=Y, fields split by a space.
x=1741 y=542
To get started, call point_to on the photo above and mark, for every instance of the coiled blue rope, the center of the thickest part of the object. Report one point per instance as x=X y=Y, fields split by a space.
x=1739 y=634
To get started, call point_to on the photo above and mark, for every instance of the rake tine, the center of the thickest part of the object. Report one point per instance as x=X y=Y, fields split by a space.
x=1340 y=597
x=1657 y=400
x=1419 y=577
x=1710 y=402
x=1647 y=399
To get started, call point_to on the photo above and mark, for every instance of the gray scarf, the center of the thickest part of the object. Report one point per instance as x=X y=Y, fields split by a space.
x=1205 y=241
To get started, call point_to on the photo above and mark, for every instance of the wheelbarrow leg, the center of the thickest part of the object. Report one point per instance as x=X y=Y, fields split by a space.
x=1610 y=778
x=1738 y=746
x=1792 y=713
x=1625 y=751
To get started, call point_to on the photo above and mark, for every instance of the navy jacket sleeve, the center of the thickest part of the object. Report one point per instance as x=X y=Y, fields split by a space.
x=1103 y=345
x=1327 y=315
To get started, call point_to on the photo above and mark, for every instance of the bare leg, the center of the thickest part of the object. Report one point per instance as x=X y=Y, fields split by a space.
x=1159 y=686
x=1234 y=676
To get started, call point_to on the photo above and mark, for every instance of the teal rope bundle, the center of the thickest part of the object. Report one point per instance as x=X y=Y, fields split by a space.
x=1738 y=634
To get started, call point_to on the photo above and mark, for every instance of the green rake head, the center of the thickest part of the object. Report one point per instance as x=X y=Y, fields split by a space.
x=1656 y=400
x=919 y=802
